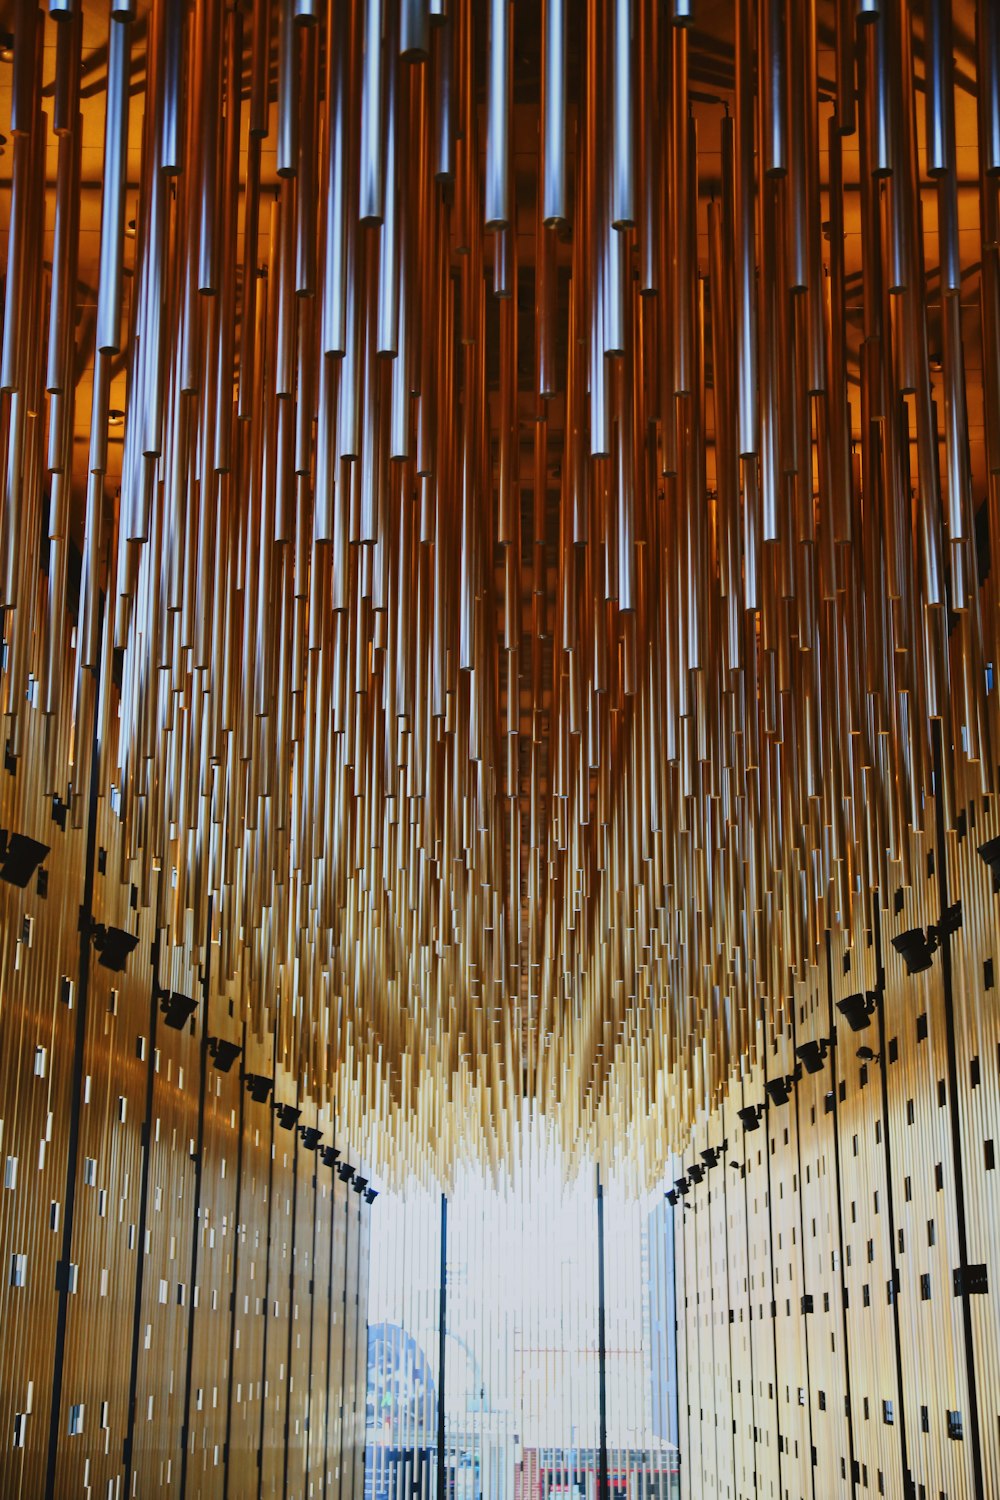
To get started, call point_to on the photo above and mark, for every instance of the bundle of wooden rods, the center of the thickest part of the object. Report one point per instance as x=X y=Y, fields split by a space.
x=529 y=524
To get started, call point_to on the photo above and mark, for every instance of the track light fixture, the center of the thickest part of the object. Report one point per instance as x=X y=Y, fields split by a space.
x=917 y=948
x=345 y=1171
x=288 y=1115
x=671 y=1197
x=311 y=1136
x=177 y=1008
x=696 y=1172
x=812 y=1055
x=360 y=1183
x=779 y=1090
x=259 y=1087
x=371 y=1194
x=113 y=946
x=989 y=853
x=20 y=857
x=328 y=1155
x=867 y=1055
x=223 y=1053
x=858 y=1009
x=751 y=1115
x=711 y=1155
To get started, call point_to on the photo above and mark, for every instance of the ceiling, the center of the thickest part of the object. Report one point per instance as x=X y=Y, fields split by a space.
x=506 y=760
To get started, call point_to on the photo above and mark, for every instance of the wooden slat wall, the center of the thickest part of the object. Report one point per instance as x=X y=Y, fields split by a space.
x=202 y=1248
x=39 y=1008
x=863 y=1355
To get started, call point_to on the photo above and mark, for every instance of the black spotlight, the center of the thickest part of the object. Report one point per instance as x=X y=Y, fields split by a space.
x=812 y=1055
x=328 y=1155
x=113 y=945
x=259 y=1087
x=177 y=1009
x=360 y=1183
x=779 y=1090
x=866 y=1055
x=224 y=1053
x=371 y=1194
x=711 y=1155
x=916 y=948
x=345 y=1171
x=857 y=1010
x=288 y=1115
x=671 y=1197
x=20 y=857
x=989 y=853
x=311 y=1137
x=696 y=1172
x=682 y=1185
x=750 y=1116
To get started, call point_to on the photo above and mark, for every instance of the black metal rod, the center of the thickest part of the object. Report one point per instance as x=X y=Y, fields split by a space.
x=76 y=1104
x=236 y=1271
x=886 y=1137
x=442 y=1336
x=941 y=865
x=146 y=1139
x=771 y=1239
x=266 y=1301
x=291 y=1285
x=603 y=1491
x=841 y=1262
x=196 y=1217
